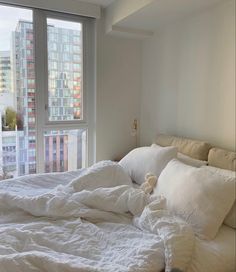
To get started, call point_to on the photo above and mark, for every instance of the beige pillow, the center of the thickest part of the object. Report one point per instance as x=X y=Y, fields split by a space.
x=230 y=219
x=193 y=148
x=197 y=195
x=222 y=158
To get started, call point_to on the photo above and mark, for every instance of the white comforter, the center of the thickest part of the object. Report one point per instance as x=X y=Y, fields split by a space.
x=95 y=222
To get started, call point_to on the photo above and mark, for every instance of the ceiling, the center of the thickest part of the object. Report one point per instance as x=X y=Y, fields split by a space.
x=161 y=12
x=103 y=3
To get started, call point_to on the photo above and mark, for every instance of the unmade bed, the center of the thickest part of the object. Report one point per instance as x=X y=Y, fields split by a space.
x=96 y=219
x=45 y=228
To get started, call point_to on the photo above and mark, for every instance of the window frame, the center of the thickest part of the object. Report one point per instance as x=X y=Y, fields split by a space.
x=41 y=77
x=42 y=123
x=83 y=21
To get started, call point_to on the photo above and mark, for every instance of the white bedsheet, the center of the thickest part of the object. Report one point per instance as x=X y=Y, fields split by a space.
x=94 y=221
x=218 y=255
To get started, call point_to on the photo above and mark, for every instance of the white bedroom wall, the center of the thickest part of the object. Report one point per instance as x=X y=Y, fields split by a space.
x=189 y=78
x=118 y=93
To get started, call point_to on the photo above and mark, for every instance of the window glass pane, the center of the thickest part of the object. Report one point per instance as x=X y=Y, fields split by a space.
x=64 y=62
x=17 y=93
x=65 y=150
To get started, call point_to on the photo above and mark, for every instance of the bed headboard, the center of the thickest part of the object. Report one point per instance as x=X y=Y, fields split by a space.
x=200 y=150
x=193 y=148
x=222 y=158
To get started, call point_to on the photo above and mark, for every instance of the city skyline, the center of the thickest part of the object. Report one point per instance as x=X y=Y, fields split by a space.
x=64 y=82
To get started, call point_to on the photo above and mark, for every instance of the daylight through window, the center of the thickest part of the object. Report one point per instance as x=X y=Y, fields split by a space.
x=64 y=147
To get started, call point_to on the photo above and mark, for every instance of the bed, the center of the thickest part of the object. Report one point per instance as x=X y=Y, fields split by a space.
x=96 y=219
x=218 y=254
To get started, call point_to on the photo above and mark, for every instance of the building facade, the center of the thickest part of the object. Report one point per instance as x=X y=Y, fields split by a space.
x=5 y=72
x=8 y=137
x=64 y=102
x=24 y=78
x=64 y=66
x=9 y=152
x=7 y=95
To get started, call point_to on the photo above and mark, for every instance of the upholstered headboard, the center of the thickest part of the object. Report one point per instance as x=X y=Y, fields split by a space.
x=193 y=148
x=222 y=158
x=200 y=150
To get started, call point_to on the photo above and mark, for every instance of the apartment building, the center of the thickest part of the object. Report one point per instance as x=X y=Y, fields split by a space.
x=18 y=92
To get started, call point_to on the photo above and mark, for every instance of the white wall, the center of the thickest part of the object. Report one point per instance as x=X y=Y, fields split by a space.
x=118 y=93
x=189 y=78
x=119 y=10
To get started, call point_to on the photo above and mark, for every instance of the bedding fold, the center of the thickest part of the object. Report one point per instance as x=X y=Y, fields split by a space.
x=96 y=222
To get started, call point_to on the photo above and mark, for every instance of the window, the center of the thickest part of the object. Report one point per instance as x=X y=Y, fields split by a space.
x=65 y=149
x=76 y=58
x=16 y=47
x=67 y=31
x=66 y=47
x=76 y=39
x=49 y=108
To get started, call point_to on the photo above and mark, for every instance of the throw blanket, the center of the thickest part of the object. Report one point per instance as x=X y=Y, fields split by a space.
x=96 y=222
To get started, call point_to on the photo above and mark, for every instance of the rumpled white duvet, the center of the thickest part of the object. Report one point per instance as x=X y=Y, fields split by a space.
x=95 y=222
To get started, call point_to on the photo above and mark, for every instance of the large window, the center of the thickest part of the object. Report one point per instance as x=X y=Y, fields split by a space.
x=46 y=91
x=65 y=70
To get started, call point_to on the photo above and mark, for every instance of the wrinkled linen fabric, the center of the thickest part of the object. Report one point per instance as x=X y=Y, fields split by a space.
x=94 y=220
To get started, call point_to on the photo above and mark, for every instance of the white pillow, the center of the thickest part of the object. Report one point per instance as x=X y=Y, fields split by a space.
x=142 y=160
x=190 y=161
x=197 y=195
x=186 y=159
x=230 y=219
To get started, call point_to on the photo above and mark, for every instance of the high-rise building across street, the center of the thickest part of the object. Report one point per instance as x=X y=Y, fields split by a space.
x=18 y=130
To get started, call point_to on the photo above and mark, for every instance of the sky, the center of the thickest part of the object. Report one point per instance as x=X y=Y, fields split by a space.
x=64 y=24
x=9 y=17
x=8 y=20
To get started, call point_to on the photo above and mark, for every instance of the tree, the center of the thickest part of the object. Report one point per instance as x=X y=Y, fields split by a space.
x=9 y=119
x=4 y=174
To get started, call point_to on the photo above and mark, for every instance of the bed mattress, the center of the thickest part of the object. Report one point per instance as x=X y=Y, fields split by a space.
x=217 y=255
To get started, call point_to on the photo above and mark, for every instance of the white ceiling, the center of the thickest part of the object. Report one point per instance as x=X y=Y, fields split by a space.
x=103 y=3
x=161 y=12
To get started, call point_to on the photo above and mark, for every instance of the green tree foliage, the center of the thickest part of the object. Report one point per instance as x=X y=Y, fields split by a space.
x=10 y=119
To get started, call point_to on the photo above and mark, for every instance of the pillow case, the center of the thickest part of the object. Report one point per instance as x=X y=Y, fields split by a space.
x=190 y=161
x=222 y=158
x=186 y=159
x=230 y=219
x=138 y=162
x=194 y=148
x=197 y=195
